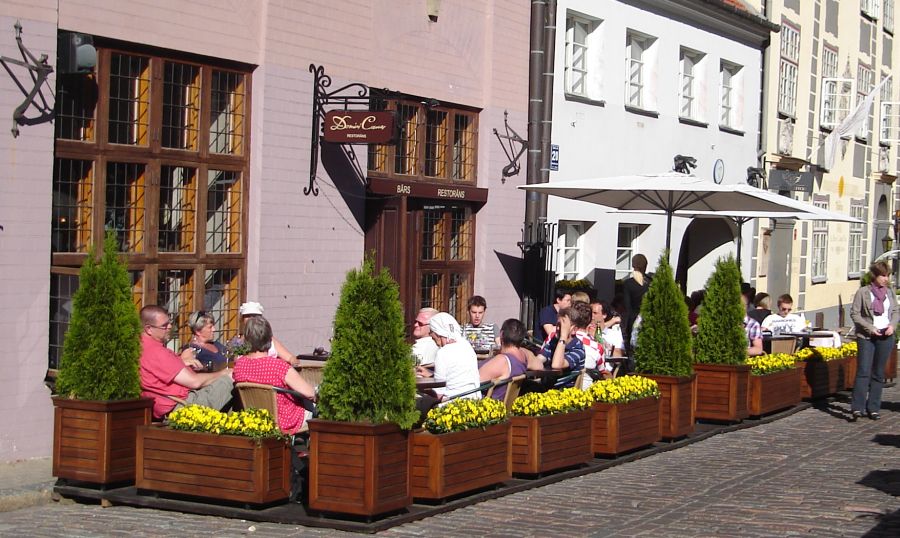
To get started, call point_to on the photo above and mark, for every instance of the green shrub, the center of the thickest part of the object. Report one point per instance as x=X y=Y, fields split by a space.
x=102 y=349
x=369 y=376
x=664 y=339
x=721 y=338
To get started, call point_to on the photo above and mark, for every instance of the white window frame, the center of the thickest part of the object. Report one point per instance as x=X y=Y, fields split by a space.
x=837 y=100
x=887 y=20
x=788 y=70
x=865 y=82
x=730 y=111
x=872 y=8
x=624 y=253
x=577 y=54
x=888 y=119
x=690 y=82
x=855 y=251
x=819 y=258
x=568 y=230
x=638 y=58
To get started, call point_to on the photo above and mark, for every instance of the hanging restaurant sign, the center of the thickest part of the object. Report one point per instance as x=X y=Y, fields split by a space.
x=358 y=127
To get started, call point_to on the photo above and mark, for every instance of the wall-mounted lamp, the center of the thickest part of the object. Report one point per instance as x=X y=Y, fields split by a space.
x=431 y=8
x=887 y=241
x=755 y=176
x=684 y=164
x=75 y=53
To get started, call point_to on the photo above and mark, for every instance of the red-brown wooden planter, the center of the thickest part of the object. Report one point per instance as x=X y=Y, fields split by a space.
x=821 y=378
x=678 y=396
x=358 y=468
x=621 y=427
x=722 y=392
x=452 y=463
x=850 y=372
x=890 y=370
x=221 y=467
x=93 y=441
x=549 y=442
x=774 y=392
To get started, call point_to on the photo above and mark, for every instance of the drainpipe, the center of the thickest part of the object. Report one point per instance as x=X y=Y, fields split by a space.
x=547 y=121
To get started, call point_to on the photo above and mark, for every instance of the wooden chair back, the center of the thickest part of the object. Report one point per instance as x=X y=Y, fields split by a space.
x=512 y=390
x=258 y=396
x=784 y=345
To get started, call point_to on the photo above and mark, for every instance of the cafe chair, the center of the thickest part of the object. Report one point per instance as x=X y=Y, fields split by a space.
x=577 y=375
x=784 y=345
x=260 y=396
x=487 y=385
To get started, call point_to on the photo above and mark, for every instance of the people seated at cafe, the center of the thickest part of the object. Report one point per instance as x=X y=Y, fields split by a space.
x=603 y=318
x=581 y=297
x=594 y=351
x=697 y=302
x=549 y=315
x=761 y=307
x=424 y=349
x=164 y=373
x=563 y=349
x=259 y=366
x=482 y=335
x=784 y=320
x=208 y=352
x=455 y=362
x=749 y=292
x=511 y=361
x=753 y=331
x=253 y=309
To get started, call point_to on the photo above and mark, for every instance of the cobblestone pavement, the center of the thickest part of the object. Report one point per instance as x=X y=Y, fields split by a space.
x=810 y=474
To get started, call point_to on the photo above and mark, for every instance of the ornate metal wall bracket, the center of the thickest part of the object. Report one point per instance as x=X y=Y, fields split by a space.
x=39 y=70
x=513 y=155
x=346 y=96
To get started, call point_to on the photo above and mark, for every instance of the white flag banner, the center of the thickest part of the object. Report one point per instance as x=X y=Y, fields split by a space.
x=854 y=120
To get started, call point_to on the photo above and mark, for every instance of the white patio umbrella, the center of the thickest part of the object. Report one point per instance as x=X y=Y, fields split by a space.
x=670 y=192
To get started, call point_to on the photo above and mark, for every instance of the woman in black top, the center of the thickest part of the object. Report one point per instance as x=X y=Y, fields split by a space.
x=633 y=290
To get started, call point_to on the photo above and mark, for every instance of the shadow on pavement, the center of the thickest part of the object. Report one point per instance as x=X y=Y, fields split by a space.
x=837 y=411
x=884 y=481
x=887 y=439
x=888 y=526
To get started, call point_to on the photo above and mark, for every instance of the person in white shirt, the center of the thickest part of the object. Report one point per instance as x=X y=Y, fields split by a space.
x=424 y=349
x=784 y=321
x=455 y=362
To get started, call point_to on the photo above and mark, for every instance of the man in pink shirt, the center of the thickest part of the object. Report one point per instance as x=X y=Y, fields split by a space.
x=163 y=373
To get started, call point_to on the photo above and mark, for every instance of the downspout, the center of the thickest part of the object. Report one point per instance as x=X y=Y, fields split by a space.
x=547 y=121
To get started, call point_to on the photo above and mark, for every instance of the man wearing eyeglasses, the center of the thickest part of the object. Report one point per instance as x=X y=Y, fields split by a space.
x=424 y=349
x=164 y=374
x=784 y=320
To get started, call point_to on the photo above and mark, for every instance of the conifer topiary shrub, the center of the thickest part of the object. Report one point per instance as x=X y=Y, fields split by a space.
x=102 y=348
x=369 y=376
x=664 y=338
x=721 y=338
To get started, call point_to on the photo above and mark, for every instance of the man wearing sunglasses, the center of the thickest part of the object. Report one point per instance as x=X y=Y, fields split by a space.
x=164 y=374
x=424 y=349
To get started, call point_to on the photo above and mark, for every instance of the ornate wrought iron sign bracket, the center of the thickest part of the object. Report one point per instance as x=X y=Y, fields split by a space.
x=352 y=94
x=512 y=154
x=39 y=70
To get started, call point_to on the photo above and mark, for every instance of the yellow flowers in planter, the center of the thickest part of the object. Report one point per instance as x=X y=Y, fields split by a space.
x=256 y=423
x=623 y=389
x=552 y=402
x=465 y=414
x=849 y=349
x=820 y=354
x=769 y=364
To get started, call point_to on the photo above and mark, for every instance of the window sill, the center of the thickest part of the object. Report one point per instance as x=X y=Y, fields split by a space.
x=861 y=140
x=854 y=276
x=818 y=280
x=826 y=128
x=691 y=121
x=641 y=111
x=729 y=130
x=584 y=99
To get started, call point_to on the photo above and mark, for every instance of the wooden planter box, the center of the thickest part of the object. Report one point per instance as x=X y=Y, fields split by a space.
x=678 y=396
x=821 y=378
x=549 y=442
x=850 y=372
x=221 y=467
x=358 y=468
x=722 y=392
x=774 y=392
x=890 y=370
x=94 y=441
x=451 y=463
x=618 y=428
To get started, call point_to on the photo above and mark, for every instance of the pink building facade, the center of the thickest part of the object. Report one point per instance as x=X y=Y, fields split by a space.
x=206 y=189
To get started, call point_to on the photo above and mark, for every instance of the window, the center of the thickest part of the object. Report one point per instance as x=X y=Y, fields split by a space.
x=889 y=110
x=626 y=246
x=569 y=253
x=638 y=60
x=175 y=200
x=436 y=143
x=730 y=111
x=837 y=93
x=855 y=250
x=446 y=257
x=888 y=16
x=865 y=82
x=691 y=78
x=870 y=7
x=820 y=242
x=787 y=70
x=579 y=32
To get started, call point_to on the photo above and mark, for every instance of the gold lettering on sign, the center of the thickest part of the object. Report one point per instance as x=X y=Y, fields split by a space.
x=451 y=193
x=342 y=123
x=403 y=189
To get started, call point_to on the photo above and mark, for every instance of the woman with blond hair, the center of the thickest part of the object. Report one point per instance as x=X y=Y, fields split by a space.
x=875 y=314
x=634 y=288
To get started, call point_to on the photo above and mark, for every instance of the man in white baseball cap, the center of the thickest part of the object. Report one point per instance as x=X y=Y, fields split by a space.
x=455 y=361
x=252 y=309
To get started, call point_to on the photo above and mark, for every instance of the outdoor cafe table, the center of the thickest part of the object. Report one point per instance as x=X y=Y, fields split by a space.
x=804 y=337
x=425 y=383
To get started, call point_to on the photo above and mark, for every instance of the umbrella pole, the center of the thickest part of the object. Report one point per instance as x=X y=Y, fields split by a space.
x=740 y=236
x=668 y=232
